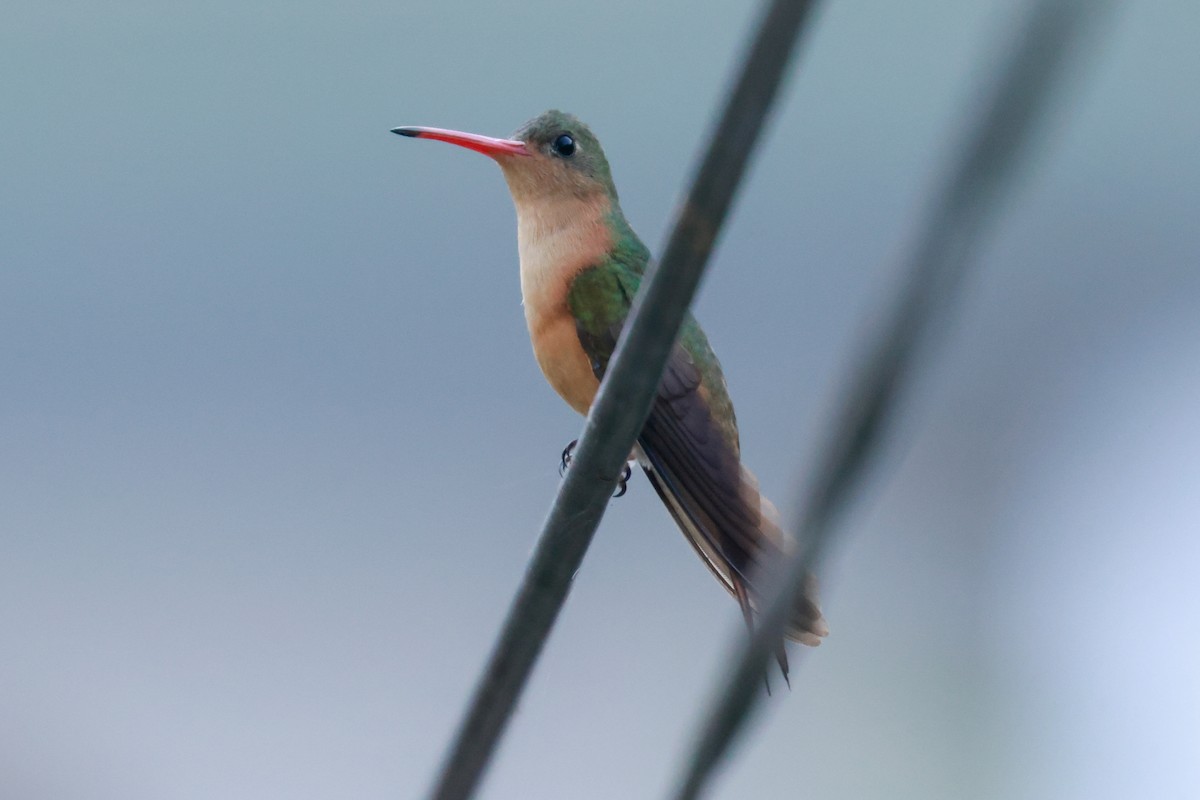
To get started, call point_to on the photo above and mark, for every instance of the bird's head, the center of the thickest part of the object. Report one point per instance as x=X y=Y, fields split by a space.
x=553 y=157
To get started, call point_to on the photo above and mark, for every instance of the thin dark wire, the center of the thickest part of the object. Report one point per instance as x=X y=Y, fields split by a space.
x=623 y=402
x=996 y=138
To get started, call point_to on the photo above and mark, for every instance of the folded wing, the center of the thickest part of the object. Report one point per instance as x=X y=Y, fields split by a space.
x=689 y=449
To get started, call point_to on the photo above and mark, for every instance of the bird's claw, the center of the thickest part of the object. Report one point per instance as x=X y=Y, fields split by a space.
x=566 y=457
x=623 y=481
x=565 y=462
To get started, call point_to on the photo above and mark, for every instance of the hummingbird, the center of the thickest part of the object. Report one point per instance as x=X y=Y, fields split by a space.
x=581 y=264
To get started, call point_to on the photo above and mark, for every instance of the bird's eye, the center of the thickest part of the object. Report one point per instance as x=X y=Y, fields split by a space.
x=564 y=145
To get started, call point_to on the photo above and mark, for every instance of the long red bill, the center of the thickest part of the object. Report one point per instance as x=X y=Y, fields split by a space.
x=472 y=141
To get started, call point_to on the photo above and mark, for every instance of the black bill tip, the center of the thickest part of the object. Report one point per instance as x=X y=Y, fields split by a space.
x=407 y=132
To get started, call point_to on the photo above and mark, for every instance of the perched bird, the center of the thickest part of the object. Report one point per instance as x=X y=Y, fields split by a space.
x=581 y=265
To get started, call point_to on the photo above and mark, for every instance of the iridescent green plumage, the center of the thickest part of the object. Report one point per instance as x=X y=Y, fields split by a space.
x=600 y=298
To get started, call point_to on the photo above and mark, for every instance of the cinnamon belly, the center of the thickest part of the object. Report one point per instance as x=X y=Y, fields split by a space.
x=563 y=362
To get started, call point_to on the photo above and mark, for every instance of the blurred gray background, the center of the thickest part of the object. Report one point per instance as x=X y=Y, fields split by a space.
x=274 y=449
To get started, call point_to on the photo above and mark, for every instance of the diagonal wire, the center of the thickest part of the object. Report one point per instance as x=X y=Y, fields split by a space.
x=623 y=402
x=997 y=137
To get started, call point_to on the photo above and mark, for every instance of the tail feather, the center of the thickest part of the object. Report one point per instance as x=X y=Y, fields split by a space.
x=771 y=547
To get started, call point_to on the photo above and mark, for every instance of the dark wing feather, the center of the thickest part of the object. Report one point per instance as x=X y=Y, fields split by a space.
x=694 y=465
x=697 y=472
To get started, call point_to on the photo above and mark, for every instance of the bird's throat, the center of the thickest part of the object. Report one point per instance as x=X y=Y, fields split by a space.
x=556 y=241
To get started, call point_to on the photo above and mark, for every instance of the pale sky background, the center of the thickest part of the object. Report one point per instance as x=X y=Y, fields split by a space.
x=274 y=449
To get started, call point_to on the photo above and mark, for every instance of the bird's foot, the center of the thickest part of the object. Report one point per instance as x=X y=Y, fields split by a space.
x=566 y=457
x=623 y=481
x=565 y=462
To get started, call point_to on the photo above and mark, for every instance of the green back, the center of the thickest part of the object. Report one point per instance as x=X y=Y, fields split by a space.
x=600 y=298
